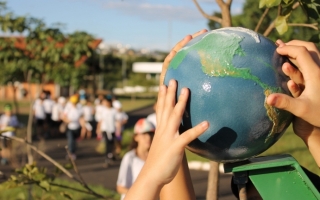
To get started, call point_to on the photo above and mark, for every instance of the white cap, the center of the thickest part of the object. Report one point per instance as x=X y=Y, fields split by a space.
x=61 y=100
x=116 y=104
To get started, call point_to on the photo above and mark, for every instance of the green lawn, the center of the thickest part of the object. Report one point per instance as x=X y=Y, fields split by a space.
x=289 y=143
x=56 y=192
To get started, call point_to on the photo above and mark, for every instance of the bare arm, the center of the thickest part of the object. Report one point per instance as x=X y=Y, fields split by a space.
x=304 y=85
x=181 y=186
x=121 y=189
x=167 y=149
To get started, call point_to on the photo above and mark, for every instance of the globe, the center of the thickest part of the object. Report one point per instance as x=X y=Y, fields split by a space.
x=230 y=72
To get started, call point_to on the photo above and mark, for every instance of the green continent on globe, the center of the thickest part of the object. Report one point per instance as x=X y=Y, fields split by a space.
x=216 y=51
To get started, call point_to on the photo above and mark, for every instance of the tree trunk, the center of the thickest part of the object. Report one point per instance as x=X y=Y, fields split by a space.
x=213 y=181
x=30 y=120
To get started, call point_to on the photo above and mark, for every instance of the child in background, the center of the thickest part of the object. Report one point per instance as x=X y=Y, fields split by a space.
x=57 y=112
x=7 y=120
x=122 y=119
x=133 y=160
x=88 y=112
x=107 y=128
x=72 y=116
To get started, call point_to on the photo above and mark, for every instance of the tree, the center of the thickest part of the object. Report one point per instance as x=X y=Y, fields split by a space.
x=41 y=54
x=272 y=14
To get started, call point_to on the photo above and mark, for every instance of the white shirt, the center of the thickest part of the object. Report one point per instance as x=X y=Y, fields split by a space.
x=108 y=119
x=121 y=116
x=130 y=168
x=98 y=110
x=47 y=105
x=39 y=109
x=6 y=121
x=87 y=113
x=57 y=111
x=73 y=114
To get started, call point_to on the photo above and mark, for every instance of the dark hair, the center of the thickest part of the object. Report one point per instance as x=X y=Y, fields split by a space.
x=134 y=144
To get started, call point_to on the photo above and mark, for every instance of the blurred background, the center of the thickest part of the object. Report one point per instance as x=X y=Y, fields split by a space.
x=116 y=47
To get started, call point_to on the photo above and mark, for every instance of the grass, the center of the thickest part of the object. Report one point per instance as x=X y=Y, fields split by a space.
x=22 y=192
x=289 y=143
x=56 y=192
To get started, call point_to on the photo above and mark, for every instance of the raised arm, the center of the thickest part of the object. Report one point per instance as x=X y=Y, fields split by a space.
x=305 y=89
x=181 y=186
x=167 y=149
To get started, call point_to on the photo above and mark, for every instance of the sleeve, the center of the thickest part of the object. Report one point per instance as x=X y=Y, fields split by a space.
x=14 y=121
x=125 y=172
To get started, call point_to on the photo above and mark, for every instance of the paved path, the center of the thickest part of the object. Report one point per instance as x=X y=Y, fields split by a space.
x=90 y=164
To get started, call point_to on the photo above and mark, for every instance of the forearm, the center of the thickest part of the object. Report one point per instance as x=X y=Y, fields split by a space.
x=144 y=188
x=121 y=189
x=313 y=144
x=181 y=186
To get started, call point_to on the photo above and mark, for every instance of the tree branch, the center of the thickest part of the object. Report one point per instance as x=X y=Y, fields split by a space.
x=82 y=182
x=261 y=19
x=229 y=2
x=213 y=18
x=271 y=26
x=55 y=163
x=313 y=26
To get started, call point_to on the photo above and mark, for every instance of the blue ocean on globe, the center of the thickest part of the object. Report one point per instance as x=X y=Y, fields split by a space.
x=230 y=72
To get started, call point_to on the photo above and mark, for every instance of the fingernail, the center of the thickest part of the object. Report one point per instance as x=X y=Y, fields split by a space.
x=273 y=101
x=171 y=82
x=183 y=91
x=204 y=125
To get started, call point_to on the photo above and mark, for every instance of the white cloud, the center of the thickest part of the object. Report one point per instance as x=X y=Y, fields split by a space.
x=149 y=11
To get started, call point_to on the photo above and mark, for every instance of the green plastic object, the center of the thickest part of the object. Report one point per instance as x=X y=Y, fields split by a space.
x=275 y=177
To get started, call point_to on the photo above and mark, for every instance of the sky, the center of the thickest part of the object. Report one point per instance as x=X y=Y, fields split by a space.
x=138 y=24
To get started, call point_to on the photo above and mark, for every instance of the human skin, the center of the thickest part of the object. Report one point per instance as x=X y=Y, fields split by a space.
x=167 y=149
x=181 y=186
x=304 y=85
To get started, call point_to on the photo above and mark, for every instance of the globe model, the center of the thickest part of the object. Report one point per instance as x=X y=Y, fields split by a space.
x=230 y=72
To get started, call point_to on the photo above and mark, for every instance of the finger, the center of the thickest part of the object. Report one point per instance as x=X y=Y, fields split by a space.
x=160 y=102
x=280 y=43
x=199 y=33
x=294 y=89
x=309 y=45
x=293 y=73
x=165 y=65
x=170 y=100
x=305 y=63
x=182 y=43
x=177 y=113
x=285 y=102
x=191 y=134
x=312 y=48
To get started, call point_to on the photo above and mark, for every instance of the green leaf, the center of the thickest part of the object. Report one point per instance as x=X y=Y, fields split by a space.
x=281 y=24
x=20 y=196
x=66 y=195
x=7 y=129
x=269 y=3
x=45 y=185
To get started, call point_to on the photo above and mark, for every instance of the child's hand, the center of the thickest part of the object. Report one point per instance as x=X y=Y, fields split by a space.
x=167 y=149
x=304 y=84
x=174 y=50
x=168 y=145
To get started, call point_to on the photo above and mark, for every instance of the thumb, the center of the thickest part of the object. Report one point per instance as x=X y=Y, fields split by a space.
x=283 y=102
